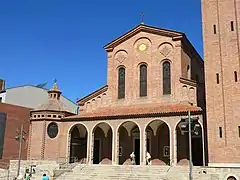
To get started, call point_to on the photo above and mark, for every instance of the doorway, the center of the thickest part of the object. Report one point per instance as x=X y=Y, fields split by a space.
x=96 y=152
x=197 y=153
x=137 y=151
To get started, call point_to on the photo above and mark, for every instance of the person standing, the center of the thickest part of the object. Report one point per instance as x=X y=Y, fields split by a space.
x=45 y=177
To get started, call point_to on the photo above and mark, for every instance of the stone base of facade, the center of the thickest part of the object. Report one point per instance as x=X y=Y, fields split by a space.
x=230 y=165
x=56 y=171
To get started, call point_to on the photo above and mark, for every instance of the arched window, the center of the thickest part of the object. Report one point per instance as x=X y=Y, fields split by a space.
x=121 y=83
x=143 y=80
x=166 y=78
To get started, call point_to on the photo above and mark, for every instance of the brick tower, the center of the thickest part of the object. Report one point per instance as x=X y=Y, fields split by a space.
x=221 y=23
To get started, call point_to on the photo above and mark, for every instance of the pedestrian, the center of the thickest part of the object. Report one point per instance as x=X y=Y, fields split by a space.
x=28 y=176
x=45 y=177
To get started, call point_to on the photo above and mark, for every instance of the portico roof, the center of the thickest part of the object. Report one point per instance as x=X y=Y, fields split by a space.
x=137 y=111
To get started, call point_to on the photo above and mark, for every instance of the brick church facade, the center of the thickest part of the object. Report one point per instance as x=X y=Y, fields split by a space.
x=155 y=76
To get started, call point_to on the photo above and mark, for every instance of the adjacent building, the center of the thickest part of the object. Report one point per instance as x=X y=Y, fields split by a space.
x=12 y=117
x=31 y=97
x=15 y=106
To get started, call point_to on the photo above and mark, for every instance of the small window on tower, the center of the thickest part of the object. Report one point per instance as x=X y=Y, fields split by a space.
x=197 y=78
x=217 y=76
x=232 y=26
x=238 y=131
x=214 y=29
x=235 y=76
x=220 y=132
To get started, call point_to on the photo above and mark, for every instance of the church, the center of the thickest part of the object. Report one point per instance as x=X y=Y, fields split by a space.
x=155 y=79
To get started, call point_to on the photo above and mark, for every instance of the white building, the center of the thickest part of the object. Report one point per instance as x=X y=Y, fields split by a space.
x=31 y=96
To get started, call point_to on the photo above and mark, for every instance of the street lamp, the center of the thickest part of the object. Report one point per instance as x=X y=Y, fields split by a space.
x=190 y=125
x=20 y=137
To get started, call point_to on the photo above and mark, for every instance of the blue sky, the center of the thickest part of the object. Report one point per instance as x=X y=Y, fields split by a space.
x=42 y=40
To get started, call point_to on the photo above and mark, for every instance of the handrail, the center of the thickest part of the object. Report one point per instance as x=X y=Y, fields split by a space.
x=170 y=164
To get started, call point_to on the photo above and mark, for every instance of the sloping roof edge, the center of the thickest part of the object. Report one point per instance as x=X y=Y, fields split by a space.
x=28 y=85
x=135 y=112
x=92 y=95
x=141 y=27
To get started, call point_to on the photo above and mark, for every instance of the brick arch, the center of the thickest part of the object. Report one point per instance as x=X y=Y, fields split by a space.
x=103 y=134
x=120 y=66
x=142 y=63
x=102 y=122
x=169 y=127
x=161 y=138
x=142 y=38
x=198 y=157
x=69 y=141
x=129 y=141
x=129 y=121
x=176 y=124
x=166 y=60
x=78 y=123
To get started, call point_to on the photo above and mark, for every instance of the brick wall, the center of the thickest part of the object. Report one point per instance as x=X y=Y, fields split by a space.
x=221 y=55
x=16 y=116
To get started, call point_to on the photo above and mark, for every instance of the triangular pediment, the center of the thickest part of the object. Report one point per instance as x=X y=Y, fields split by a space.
x=142 y=28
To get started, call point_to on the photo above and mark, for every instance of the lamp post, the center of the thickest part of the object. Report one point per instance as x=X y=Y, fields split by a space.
x=190 y=144
x=190 y=125
x=20 y=137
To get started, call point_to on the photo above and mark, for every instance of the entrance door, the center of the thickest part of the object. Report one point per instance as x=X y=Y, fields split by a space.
x=96 y=152
x=137 y=151
x=197 y=152
x=148 y=145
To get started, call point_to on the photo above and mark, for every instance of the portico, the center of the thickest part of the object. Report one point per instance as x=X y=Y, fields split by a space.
x=112 y=141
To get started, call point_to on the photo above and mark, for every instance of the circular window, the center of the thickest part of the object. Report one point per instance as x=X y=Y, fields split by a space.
x=52 y=130
x=231 y=178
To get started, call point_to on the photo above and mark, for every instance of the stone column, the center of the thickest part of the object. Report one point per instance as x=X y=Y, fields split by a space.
x=144 y=147
x=174 y=137
x=141 y=147
x=116 y=147
x=90 y=149
x=203 y=145
x=171 y=145
x=113 y=147
x=68 y=155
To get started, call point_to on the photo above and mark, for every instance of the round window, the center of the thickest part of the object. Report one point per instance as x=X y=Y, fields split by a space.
x=231 y=178
x=52 y=130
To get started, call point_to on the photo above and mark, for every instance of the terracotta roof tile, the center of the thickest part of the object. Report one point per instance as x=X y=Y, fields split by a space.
x=136 y=110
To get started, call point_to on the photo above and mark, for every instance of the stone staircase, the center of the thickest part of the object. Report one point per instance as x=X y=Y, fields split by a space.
x=118 y=172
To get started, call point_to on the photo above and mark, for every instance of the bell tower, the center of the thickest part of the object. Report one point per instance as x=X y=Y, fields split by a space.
x=221 y=23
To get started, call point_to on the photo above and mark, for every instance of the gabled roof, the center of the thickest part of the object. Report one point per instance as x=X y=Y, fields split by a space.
x=144 y=28
x=92 y=95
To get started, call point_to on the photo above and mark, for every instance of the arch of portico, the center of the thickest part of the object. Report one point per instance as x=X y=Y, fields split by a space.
x=128 y=142
x=77 y=145
x=157 y=142
x=181 y=150
x=102 y=140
